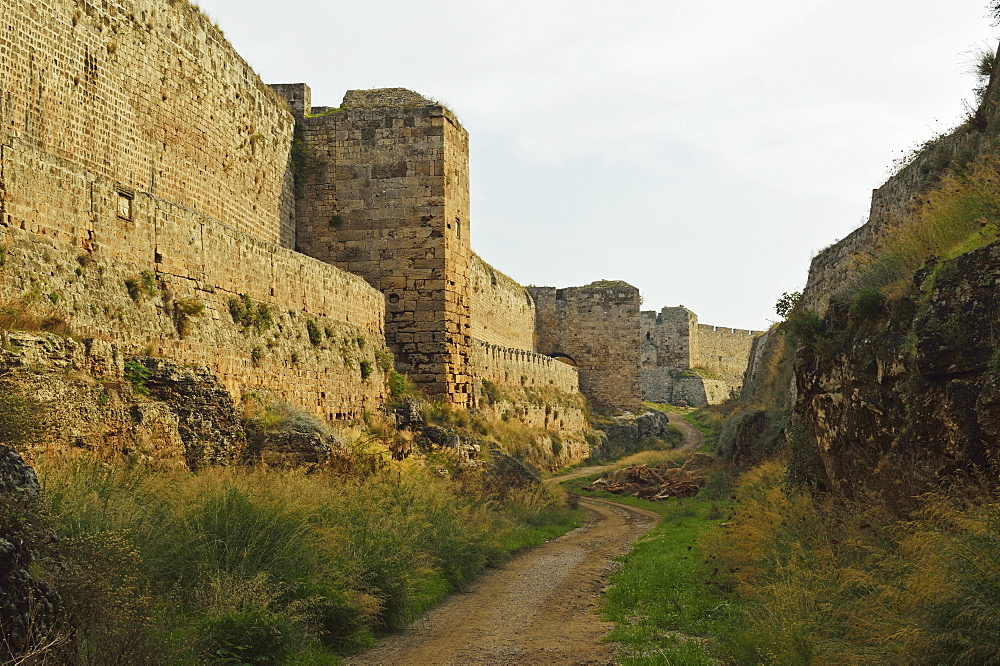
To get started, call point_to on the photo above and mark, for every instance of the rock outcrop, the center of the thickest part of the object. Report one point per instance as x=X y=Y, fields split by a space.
x=909 y=393
x=29 y=608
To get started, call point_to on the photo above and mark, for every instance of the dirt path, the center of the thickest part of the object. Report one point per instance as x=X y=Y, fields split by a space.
x=693 y=438
x=540 y=608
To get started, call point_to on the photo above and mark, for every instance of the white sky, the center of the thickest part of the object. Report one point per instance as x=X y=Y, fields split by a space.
x=701 y=150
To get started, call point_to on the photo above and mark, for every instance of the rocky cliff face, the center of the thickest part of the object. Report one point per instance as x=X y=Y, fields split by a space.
x=29 y=608
x=72 y=398
x=907 y=392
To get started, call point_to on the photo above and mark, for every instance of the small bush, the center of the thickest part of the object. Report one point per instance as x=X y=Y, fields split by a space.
x=399 y=385
x=867 y=303
x=137 y=374
x=256 y=356
x=148 y=281
x=383 y=359
x=185 y=309
x=134 y=289
x=787 y=303
x=366 y=369
x=314 y=332
x=249 y=314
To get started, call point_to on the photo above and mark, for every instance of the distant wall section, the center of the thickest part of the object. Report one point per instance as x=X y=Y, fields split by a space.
x=596 y=328
x=724 y=351
x=684 y=361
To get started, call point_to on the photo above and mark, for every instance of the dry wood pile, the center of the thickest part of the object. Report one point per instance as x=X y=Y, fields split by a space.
x=665 y=480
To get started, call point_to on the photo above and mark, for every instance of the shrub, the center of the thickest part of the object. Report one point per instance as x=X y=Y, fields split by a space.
x=383 y=359
x=184 y=310
x=148 y=281
x=399 y=385
x=787 y=303
x=137 y=374
x=867 y=303
x=366 y=369
x=249 y=314
x=133 y=288
x=315 y=334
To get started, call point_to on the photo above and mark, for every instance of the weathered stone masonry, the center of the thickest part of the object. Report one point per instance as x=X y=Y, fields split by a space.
x=390 y=202
x=596 y=328
x=133 y=138
x=676 y=348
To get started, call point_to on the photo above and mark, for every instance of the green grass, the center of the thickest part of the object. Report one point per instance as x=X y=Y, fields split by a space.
x=709 y=422
x=665 y=600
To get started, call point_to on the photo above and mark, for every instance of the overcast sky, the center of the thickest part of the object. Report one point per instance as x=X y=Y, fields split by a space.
x=701 y=150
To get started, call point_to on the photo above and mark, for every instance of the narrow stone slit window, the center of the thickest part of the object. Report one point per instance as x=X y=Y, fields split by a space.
x=125 y=205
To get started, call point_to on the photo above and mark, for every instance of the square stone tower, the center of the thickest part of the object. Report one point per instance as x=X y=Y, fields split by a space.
x=382 y=190
x=597 y=329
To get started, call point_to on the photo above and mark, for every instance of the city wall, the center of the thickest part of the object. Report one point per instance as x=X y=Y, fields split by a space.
x=672 y=386
x=143 y=129
x=150 y=96
x=502 y=311
x=596 y=328
x=683 y=360
x=385 y=195
x=724 y=351
x=832 y=268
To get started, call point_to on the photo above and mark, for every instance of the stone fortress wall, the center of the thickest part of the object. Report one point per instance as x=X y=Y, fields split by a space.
x=148 y=95
x=387 y=199
x=683 y=360
x=156 y=194
x=134 y=139
x=596 y=328
x=502 y=311
x=831 y=269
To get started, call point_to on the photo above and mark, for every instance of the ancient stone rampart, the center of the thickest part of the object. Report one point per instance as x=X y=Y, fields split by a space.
x=204 y=263
x=673 y=386
x=832 y=268
x=596 y=328
x=539 y=390
x=724 y=351
x=683 y=360
x=670 y=338
x=387 y=198
x=144 y=191
x=150 y=96
x=502 y=311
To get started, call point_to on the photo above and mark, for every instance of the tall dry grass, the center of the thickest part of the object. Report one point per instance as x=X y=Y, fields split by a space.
x=962 y=214
x=850 y=583
x=240 y=566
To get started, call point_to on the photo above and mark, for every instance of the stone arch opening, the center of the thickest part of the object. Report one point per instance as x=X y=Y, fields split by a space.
x=565 y=358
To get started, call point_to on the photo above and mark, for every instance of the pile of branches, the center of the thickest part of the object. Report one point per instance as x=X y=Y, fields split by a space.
x=665 y=480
